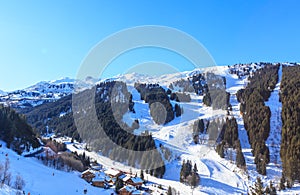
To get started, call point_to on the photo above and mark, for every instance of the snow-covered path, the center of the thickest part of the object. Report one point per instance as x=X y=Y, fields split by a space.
x=273 y=142
x=232 y=86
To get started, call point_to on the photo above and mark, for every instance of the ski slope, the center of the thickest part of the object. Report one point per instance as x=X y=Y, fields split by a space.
x=44 y=180
x=218 y=175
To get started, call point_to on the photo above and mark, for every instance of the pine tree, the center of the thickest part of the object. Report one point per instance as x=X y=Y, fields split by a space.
x=282 y=183
x=240 y=159
x=169 y=190
x=272 y=189
x=220 y=150
x=258 y=187
x=119 y=184
x=142 y=175
x=267 y=190
x=195 y=170
x=194 y=181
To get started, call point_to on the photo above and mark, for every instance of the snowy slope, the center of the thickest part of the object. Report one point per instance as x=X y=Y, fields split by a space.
x=274 y=169
x=45 y=91
x=218 y=176
x=44 y=180
x=2 y=93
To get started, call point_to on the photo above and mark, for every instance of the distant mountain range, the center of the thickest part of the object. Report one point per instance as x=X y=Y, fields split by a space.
x=42 y=92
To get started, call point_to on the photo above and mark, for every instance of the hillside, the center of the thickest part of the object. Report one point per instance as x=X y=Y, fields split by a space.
x=15 y=131
x=226 y=120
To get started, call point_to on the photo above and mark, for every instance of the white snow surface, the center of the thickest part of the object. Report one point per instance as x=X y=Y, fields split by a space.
x=44 y=180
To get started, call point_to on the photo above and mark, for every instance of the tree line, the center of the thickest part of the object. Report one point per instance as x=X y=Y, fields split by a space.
x=15 y=131
x=290 y=136
x=256 y=114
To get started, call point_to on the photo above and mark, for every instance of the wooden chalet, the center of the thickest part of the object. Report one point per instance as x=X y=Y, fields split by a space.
x=99 y=180
x=127 y=190
x=88 y=175
x=113 y=173
x=135 y=181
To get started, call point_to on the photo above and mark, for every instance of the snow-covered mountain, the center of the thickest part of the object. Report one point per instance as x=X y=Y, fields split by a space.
x=218 y=175
x=45 y=91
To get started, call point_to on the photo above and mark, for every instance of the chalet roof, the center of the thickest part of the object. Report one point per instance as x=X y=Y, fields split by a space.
x=112 y=172
x=87 y=171
x=136 y=180
x=126 y=178
x=99 y=177
x=129 y=188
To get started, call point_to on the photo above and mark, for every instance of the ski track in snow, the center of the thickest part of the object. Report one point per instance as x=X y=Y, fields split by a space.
x=274 y=168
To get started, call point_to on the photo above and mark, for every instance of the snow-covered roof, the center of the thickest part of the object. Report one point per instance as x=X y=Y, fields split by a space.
x=99 y=177
x=137 y=180
x=87 y=171
x=112 y=172
x=129 y=188
x=126 y=178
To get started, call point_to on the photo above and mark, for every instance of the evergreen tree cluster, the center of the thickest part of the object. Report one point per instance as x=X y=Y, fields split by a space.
x=189 y=174
x=180 y=97
x=214 y=129
x=228 y=138
x=198 y=128
x=195 y=83
x=229 y=132
x=240 y=159
x=290 y=136
x=259 y=189
x=161 y=109
x=15 y=131
x=216 y=95
x=107 y=130
x=256 y=115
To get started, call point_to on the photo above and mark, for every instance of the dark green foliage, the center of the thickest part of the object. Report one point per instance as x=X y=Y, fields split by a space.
x=119 y=184
x=220 y=149
x=229 y=132
x=272 y=189
x=290 y=136
x=282 y=183
x=194 y=180
x=214 y=129
x=142 y=175
x=178 y=110
x=169 y=191
x=198 y=128
x=240 y=159
x=107 y=129
x=216 y=96
x=207 y=99
x=15 y=131
x=189 y=175
x=180 y=97
x=195 y=83
x=258 y=187
x=185 y=171
x=256 y=115
x=161 y=109
x=39 y=117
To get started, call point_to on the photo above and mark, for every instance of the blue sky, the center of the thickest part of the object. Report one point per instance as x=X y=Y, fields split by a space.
x=46 y=40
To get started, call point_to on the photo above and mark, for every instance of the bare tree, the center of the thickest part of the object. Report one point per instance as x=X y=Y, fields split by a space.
x=1 y=173
x=6 y=175
x=19 y=183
